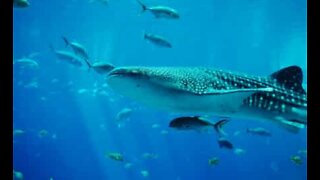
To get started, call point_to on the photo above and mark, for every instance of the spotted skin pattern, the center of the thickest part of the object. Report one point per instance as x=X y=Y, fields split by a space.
x=287 y=92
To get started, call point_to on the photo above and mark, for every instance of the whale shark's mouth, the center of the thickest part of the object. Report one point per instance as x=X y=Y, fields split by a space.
x=126 y=72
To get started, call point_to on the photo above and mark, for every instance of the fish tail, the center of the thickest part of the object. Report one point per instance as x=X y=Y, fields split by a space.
x=88 y=63
x=144 y=7
x=219 y=127
x=66 y=41
x=145 y=35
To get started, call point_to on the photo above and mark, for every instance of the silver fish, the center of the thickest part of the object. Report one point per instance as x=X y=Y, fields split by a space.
x=67 y=57
x=101 y=67
x=21 y=3
x=160 y=11
x=259 y=131
x=157 y=40
x=77 y=48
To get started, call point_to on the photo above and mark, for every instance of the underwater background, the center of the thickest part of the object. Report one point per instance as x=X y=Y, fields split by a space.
x=68 y=123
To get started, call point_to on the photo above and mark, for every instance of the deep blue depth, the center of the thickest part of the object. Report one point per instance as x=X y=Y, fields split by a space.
x=78 y=110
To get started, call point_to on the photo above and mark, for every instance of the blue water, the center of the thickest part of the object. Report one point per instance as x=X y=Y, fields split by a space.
x=78 y=111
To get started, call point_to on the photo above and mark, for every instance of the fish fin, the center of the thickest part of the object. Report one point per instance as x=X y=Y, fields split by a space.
x=143 y=6
x=248 y=90
x=292 y=126
x=145 y=35
x=66 y=41
x=88 y=63
x=290 y=77
x=218 y=126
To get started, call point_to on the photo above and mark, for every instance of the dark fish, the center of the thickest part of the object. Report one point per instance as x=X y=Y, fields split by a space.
x=20 y=3
x=160 y=11
x=259 y=131
x=224 y=143
x=197 y=123
x=115 y=156
x=157 y=40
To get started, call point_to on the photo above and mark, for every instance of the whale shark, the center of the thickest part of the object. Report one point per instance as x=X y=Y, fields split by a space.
x=277 y=97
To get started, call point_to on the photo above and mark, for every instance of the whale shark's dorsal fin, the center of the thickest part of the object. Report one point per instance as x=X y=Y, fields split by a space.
x=290 y=77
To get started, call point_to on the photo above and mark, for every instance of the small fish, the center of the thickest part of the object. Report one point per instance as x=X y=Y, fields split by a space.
x=149 y=156
x=81 y=91
x=258 y=131
x=239 y=151
x=154 y=126
x=213 y=161
x=144 y=173
x=18 y=132
x=42 y=133
x=32 y=84
x=236 y=133
x=197 y=123
x=17 y=175
x=124 y=114
x=163 y=132
x=224 y=143
x=304 y=152
x=128 y=165
x=67 y=57
x=160 y=11
x=115 y=156
x=101 y=67
x=77 y=48
x=27 y=62
x=20 y=3
x=296 y=159
x=157 y=40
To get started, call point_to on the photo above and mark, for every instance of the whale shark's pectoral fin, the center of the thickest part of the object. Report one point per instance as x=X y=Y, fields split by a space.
x=291 y=126
x=238 y=91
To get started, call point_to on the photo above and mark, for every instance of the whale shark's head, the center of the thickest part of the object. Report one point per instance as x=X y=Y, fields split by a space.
x=132 y=82
x=141 y=82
